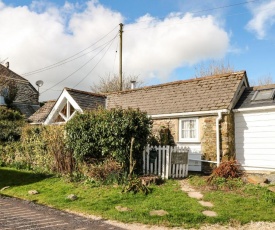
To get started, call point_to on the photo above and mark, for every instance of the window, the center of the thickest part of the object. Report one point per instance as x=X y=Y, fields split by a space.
x=2 y=100
x=188 y=130
x=263 y=95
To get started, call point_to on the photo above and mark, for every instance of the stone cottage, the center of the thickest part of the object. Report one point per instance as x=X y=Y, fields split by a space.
x=26 y=100
x=197 y=112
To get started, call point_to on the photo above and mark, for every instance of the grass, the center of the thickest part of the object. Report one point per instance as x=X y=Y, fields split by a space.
x=248 y=203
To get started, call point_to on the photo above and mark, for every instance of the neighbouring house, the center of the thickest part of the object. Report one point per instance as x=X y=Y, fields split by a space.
x=26 y=100
x=255 y=128
x=197 y=112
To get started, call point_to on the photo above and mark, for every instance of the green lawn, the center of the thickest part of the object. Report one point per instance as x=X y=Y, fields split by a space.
x=250 y=203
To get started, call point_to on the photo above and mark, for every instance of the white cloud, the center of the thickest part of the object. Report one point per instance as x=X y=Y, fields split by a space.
x=263 y=18
x=172 y=43
x=41 y=35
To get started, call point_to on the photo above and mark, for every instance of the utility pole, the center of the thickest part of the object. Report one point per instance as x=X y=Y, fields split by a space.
x=120 y=56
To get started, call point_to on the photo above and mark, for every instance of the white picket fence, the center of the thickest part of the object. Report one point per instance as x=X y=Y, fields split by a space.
x=166 y=161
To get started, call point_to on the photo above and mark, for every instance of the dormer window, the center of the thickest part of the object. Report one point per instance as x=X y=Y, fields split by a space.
x=263 y=95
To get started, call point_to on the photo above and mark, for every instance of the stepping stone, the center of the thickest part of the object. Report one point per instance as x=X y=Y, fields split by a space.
x=196 y=195
x=158 y=213
x=123 y=209
x=209 y=213
x=206 y=204
x=33 y=192
x=72 y=197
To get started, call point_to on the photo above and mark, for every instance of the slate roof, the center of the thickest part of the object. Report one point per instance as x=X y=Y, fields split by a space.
x=41 y=114
x=87 y=100
x=245 y=100
x=4 y=71
x=201 y=94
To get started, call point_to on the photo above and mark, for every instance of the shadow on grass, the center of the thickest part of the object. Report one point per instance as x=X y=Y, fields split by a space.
x=13 y=177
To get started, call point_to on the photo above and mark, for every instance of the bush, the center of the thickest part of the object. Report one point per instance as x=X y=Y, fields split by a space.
x=41 y=148
x=226 y=175
x=227 y=169
x=108 y=133
x=11 y=123
x=109 y=171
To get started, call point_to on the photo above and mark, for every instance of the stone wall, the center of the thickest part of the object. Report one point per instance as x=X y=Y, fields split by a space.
x=227 y=137
x=170 y=124
x=26 y=94
x=208 y=137
x=207 y=131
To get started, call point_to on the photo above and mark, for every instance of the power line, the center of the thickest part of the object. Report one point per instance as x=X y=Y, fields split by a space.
x=64 y=61
x=191 y=21
x=214 y=8
x=80 y=66
x=115 y=56
x=95 y=64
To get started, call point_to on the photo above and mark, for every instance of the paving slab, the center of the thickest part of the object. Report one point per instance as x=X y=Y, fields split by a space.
x=206 y=203
x=209 y=213
x=196 y=195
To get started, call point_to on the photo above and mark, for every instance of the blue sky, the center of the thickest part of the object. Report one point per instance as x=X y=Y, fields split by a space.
x=164 y=40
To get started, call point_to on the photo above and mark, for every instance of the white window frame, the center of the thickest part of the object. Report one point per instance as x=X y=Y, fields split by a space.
x=196 y=139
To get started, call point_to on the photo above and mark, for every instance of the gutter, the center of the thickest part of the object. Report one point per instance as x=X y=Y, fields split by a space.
x=218 y=137
x=189 y=114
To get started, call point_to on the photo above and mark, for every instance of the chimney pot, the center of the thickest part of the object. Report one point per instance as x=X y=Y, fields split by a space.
x=133 y=84
x=7 y=65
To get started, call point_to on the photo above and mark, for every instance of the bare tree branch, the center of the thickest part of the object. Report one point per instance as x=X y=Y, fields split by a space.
x=214 y=68
x=111 y=83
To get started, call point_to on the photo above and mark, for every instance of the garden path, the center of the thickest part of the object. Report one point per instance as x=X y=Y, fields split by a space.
x=185 y=187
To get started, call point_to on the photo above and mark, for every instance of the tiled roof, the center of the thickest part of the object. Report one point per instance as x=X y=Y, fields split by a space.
x=4 y=71
x=245 y=100
x=87 y=100
x=201 y=94
x=41 y=114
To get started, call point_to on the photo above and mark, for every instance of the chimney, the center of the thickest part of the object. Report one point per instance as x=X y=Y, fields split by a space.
x=133 y=84
x=7 y=65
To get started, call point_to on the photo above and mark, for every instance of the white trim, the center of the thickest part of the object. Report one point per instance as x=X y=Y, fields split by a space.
x=189 y=140
x=62 y=101
x=189 y=114
x=254 y=109
x=238 y=93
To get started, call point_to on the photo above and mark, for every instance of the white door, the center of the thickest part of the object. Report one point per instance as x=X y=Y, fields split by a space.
x=255 y=140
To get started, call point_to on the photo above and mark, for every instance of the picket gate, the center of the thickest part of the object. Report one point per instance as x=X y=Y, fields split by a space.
x=166 y=161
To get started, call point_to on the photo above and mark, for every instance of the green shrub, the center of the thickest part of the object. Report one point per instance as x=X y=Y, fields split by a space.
x=11 y=123
x=108 y=133
x=41 y=148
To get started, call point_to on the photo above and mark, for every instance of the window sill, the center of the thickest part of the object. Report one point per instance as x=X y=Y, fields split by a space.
x=188 y=141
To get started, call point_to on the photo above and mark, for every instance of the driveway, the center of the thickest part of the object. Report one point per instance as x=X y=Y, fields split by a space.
x=19 y=214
